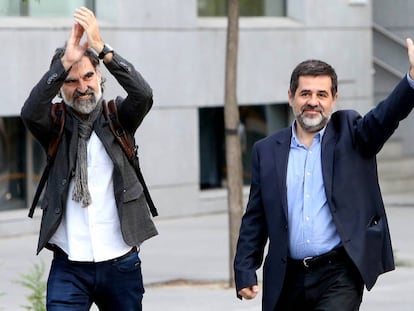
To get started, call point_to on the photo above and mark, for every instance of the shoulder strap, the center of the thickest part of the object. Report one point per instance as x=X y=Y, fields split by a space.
x=58 y=116
x=130 y=149
x=111 y=115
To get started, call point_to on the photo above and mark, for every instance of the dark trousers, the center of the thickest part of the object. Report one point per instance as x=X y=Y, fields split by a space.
x=335 y=285
x=112 y=285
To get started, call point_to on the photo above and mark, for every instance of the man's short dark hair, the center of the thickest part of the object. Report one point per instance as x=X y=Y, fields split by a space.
x=313 y=67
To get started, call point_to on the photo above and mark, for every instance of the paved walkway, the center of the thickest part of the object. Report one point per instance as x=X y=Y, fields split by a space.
x=187 y=267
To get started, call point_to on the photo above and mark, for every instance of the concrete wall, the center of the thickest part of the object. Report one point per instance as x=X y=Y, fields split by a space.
x=182 y=56
x=396 y=17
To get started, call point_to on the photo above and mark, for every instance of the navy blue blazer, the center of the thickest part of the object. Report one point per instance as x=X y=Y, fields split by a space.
x=349 y=169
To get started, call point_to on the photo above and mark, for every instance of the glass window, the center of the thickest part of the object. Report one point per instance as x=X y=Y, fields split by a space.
x=257 y=122
x=247 y=7
x=42 y=8
x=21 y=163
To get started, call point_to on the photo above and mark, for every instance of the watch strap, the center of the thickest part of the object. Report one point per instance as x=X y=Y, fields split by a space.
x=105 y=50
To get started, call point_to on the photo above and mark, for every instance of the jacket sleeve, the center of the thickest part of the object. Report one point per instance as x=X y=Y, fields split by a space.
x=253 y=233
x=132 y=109
x=373 y=130
x=35 y=112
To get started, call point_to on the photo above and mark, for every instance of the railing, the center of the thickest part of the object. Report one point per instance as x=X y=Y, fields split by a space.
x=390 y=52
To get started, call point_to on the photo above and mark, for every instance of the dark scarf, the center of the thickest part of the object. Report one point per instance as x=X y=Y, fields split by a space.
x=85 y=127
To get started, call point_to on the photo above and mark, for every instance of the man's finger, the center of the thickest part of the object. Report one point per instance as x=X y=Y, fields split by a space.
x=249 y=292
x=410 y=44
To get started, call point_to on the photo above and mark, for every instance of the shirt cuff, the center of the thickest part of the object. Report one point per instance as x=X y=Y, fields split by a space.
x=410 y=81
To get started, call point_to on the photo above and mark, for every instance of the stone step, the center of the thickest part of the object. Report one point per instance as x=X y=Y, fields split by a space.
x=391 y=150
x=402 y=167
x=395 y=170
x=397 y=185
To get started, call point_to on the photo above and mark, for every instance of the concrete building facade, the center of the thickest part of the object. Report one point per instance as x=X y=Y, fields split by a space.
x=182 y=56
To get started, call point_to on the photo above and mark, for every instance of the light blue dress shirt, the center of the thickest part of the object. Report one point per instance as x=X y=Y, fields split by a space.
x=410 y=81
x=312 y=231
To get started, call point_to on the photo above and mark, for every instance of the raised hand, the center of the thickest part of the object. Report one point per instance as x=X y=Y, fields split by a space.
x=86 y=18
x=410 y=47
x=74 y=49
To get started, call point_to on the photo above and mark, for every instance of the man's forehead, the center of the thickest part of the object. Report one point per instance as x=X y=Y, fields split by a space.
x=81 y=68
x=319 y=82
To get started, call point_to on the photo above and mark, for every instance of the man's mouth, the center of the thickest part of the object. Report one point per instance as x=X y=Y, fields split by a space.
x=83 y=96
x=311 y=112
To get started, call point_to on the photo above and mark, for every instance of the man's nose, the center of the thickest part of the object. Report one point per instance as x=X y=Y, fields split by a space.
x=82 y=86
x=313 y=100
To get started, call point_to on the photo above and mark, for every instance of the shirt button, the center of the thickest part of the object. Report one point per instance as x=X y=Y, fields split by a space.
x=57 y=210
x=63 y=181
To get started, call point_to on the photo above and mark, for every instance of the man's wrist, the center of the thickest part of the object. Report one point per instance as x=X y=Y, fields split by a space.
x=106 y=49
x=67 y=65
x=410 y=79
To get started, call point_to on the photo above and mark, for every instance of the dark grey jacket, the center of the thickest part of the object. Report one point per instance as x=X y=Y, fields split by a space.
x=135 y=219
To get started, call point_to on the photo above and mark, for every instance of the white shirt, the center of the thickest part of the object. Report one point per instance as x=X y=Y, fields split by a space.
x=93 y=233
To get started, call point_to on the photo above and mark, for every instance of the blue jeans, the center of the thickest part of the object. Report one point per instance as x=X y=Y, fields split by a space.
x=112 y=285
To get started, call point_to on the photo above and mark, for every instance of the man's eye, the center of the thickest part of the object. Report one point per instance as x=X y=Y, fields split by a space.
x=89 y=76
x=69 y=81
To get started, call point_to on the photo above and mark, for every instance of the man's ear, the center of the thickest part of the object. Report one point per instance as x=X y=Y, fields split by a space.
x=99 y=78
x=335 y=99
x=290 y=97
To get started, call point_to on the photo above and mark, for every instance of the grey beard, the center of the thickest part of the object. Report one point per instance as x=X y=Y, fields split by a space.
x=83 y=106
x=308 y=126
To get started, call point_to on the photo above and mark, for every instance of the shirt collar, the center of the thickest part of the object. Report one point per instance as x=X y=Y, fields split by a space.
x=295 y=141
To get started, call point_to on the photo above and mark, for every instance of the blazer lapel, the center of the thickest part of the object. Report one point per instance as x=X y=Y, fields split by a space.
x=327 y=157
x=281 y=157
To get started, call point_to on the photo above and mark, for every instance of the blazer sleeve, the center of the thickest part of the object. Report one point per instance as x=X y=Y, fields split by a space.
x=132 y=109
x=373 y=130
x=253 y=232
x=35 y=112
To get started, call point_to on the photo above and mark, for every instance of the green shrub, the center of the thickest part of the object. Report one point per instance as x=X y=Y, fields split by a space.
x=37 y=286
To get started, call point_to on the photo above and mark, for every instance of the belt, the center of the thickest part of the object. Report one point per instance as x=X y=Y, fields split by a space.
x=335 y=255
x=59 y=252
x=131 y=251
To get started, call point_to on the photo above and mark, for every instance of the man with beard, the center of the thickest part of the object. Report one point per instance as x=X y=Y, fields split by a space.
x=315 y=199
x=95 y=215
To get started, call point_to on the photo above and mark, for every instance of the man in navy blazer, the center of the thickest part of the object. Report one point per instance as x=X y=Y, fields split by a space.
x=316 y=200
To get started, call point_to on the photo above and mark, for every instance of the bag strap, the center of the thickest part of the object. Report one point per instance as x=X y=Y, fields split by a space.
x=130 y=150
x=58 y=113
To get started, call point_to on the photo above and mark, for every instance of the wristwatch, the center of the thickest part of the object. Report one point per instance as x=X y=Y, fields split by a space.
x=106 y=49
